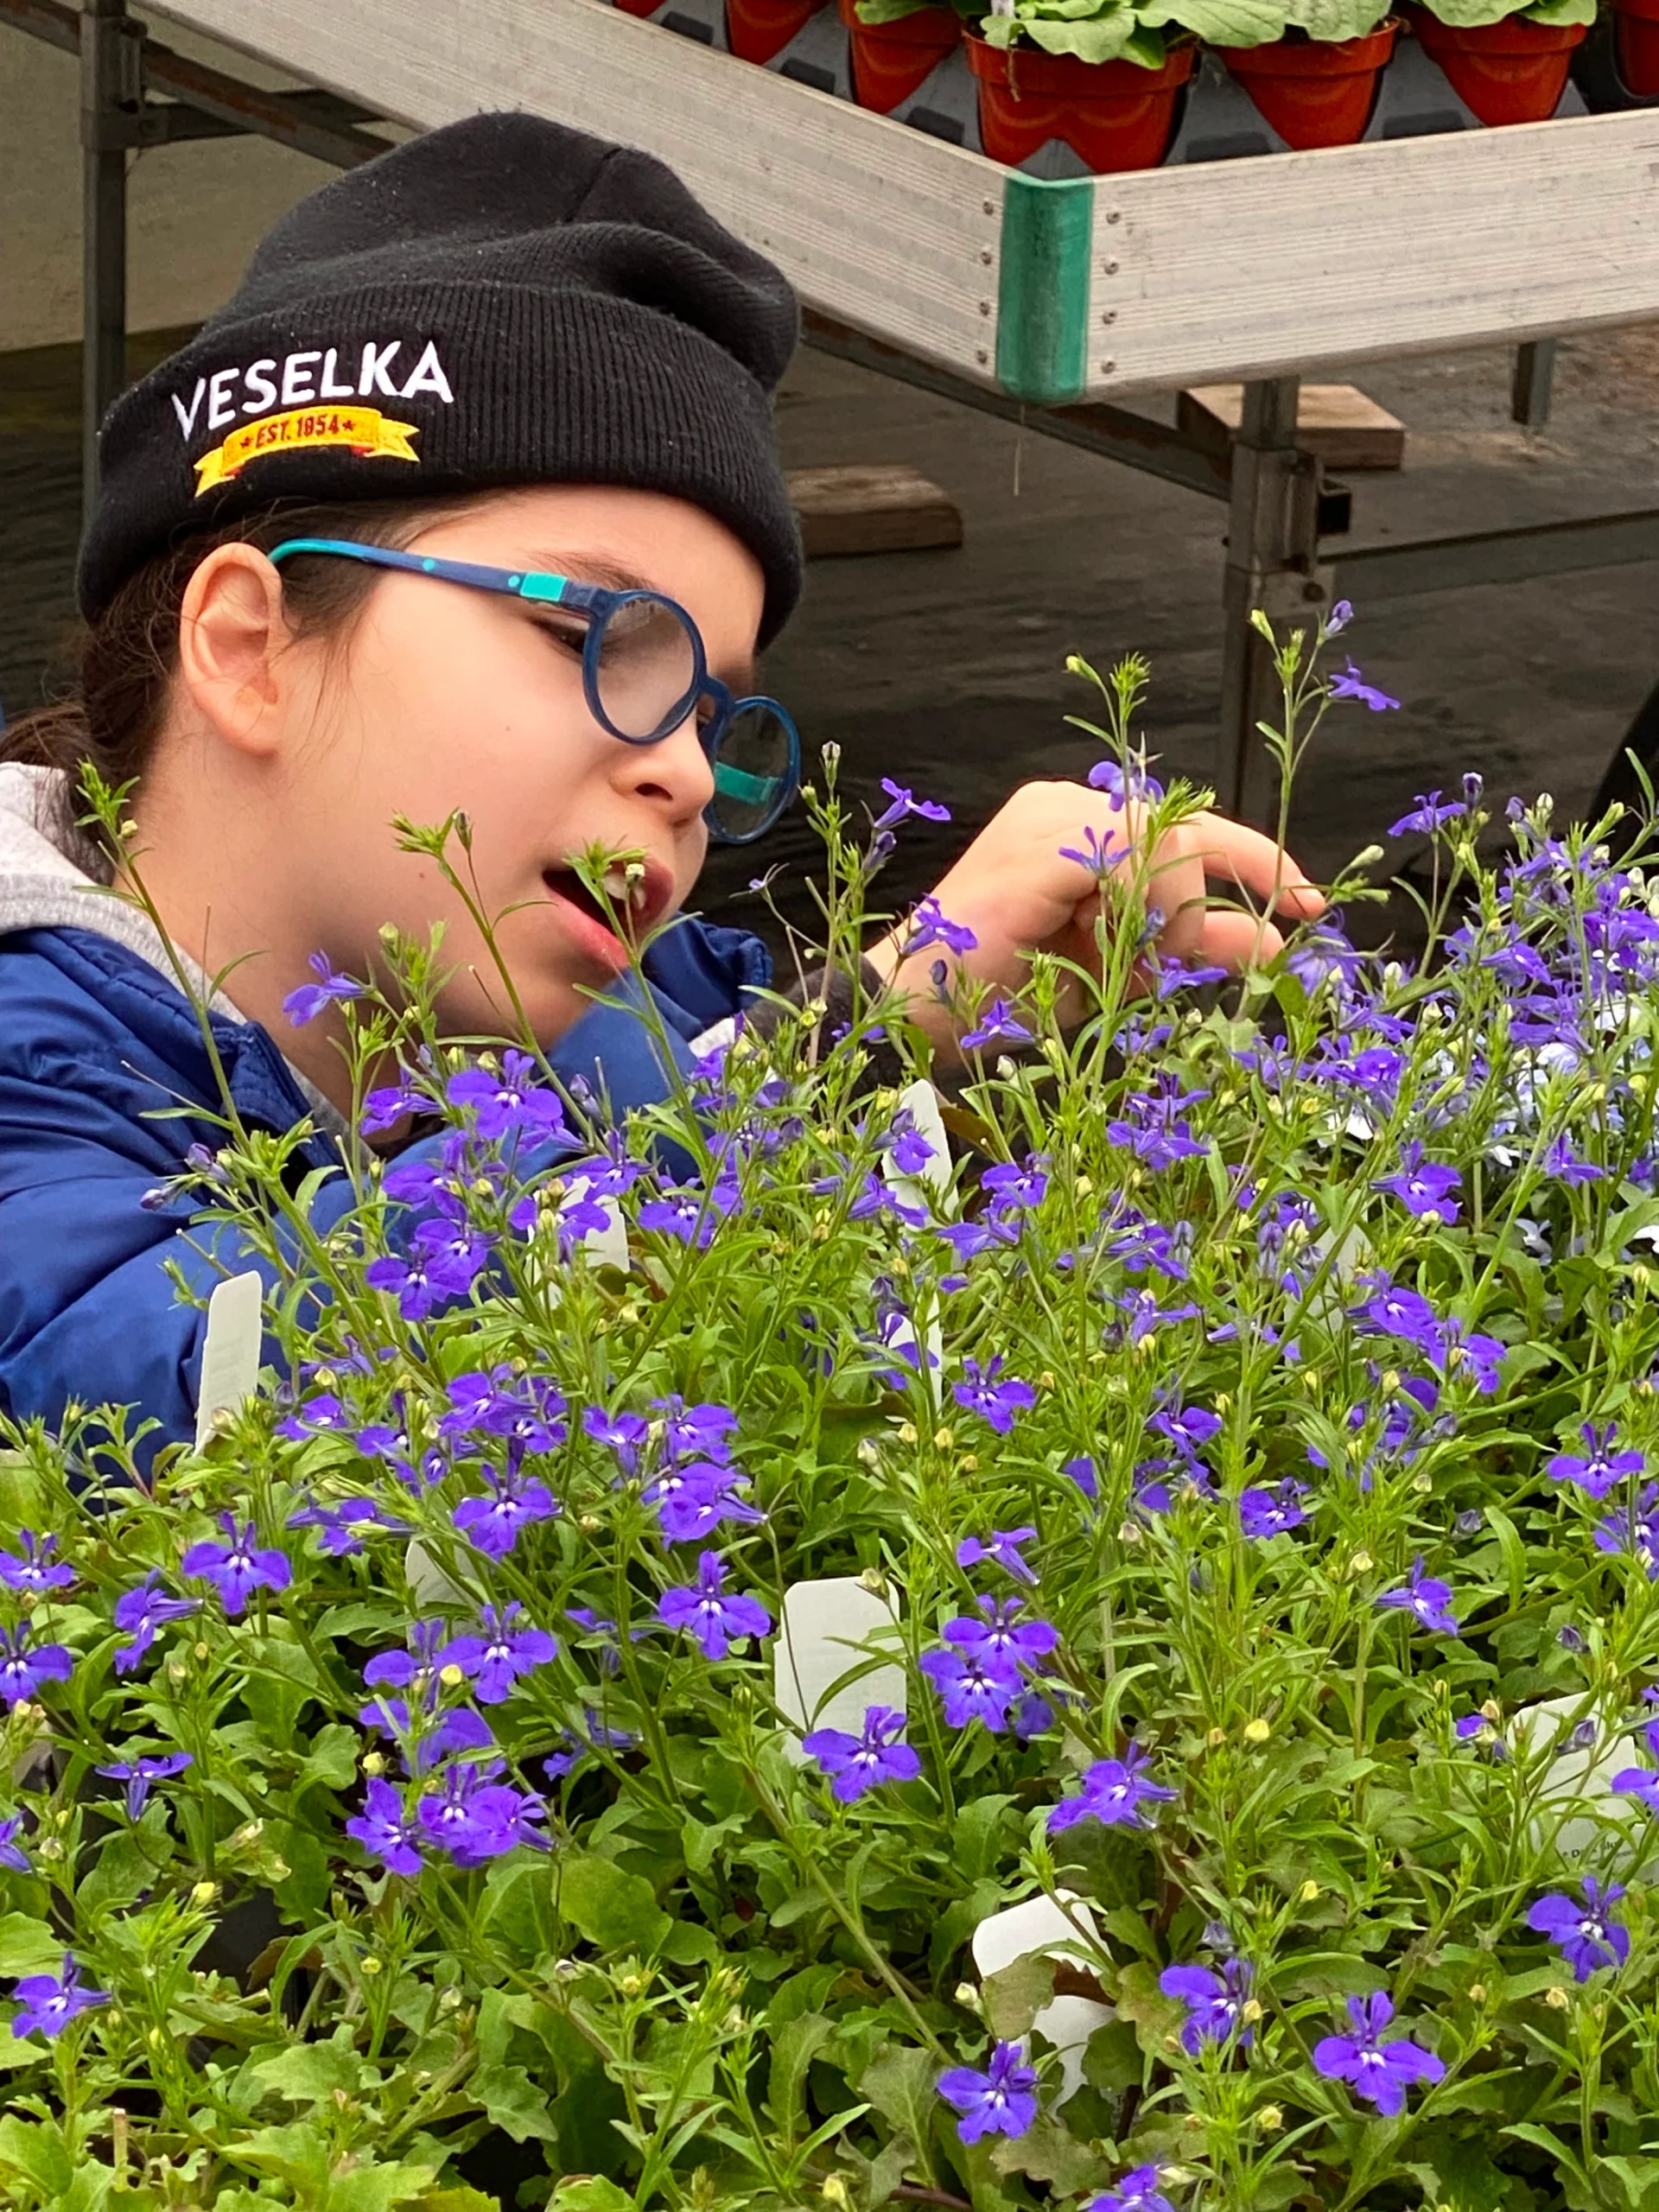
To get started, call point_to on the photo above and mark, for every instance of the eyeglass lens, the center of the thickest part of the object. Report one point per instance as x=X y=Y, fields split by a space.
x=752 y=773
x=647 y=668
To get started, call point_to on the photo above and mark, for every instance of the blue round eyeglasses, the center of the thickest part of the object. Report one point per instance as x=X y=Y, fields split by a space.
x=644 y=673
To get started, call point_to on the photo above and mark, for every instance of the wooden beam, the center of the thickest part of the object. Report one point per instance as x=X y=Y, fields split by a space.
x=855 y=508
x=1334 y=422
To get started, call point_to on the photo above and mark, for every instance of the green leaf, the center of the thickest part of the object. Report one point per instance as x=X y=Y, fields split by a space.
x=28 y=1947
x=280 y=1679
x=614 y=1909
x=511 y=2100
x=976 y=1837
x=36 y=2150
x=1048 y=2151
x=588 y=2193
x=793 y=2048
x=1016 y=1994
x=309 y=2073
x=332 y=1759
x=899 y=2082
x=1223 y=22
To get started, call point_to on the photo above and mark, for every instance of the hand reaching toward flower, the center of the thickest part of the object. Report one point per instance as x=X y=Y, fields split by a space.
x=1033 y=879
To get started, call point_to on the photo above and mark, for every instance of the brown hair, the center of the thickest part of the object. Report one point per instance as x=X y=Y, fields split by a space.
x=114 y=711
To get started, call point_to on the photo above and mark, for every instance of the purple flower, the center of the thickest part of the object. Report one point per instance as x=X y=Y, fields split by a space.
x=1635 y=1530
x=1120 y=783
x=861 y=1763
x=1423 y=1189
x=690 y=1502
x=1379 y=2072
x=1350 y=685
x=1564 y=1165
x=330 y=989
x=929 y=926
x=139 y=1613
x=1100 y=855
x=1189 y=1428
x=12 y=1854
x=34 y=1569
x=384 y=1832
x=1138 y=2191
x=23 y=1668
x=1082 y=1472
x=624 y=1434
x=714 y=1620
x=1641 y=1781
x=970 y=1688
x=494 y=1523
x=1002 y=1544
x=1114 y=1791
x=1599 y=1466
x=1270 y=1512
x=1426 y=1598
x=236 y=1567
x=384 y=1108
x=1428 y=814
x=1002 y=2102
x=1153 y=1124
x=1587 y=1933
x=904 y=804
x=476 y=1818
x=494 y=1660
x=512 y=1101
x=47 y=2004
x=138 y=1774
x=345 y=1526
x=1481 y=1729
x=1002 y=1642
x=996 y=1026
x=1322 y=954
x=318 y=1416
x=1215 y=2002
x=995 y=1402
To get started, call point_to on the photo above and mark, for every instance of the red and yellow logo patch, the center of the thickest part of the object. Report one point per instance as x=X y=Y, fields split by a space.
x=365 y=430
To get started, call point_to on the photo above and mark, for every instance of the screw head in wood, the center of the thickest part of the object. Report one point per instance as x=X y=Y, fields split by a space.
x=1111 y=269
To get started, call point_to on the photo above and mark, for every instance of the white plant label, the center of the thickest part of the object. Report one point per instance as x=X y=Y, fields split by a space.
x=921 y=1102
x=825 y=1632
x=230 y=1350
x=608 y=1247
x=1039 y=1926
x=1584 y=1773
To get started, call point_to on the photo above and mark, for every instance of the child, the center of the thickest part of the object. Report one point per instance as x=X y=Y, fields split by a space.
x=504 y=345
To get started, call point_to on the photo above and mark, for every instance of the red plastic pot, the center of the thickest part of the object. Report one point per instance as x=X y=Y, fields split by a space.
x=1114 y=115
x=637 y=7
x=1512 y=72
x=757 y=29
x=1314 y=91
x=1636 y=41
x=891 y=59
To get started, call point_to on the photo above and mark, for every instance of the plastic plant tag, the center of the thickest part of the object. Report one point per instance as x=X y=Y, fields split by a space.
x=230 y=1350
x=1580 y=1772
x=608 y=1247
x=1039 y=1925
x=825 y=1635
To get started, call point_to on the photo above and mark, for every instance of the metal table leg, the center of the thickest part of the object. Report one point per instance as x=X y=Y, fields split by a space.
x=111 y=95
x=1532 y=382
x=1271 y=564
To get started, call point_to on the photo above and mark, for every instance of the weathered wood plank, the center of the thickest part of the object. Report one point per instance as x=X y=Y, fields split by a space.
x=1354 y=253
x=882 y=227
x=871 y=507
x=1334 y=422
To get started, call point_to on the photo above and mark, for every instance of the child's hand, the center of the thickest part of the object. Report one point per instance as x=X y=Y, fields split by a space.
x=1019 y=891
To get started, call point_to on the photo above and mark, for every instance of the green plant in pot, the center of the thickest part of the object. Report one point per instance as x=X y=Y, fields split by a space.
x=1097 y=73
x=1311 y=66
x=895 y=44
x=1507 y=64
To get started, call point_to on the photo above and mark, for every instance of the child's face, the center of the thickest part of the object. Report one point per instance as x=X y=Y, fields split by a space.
x=446 y=697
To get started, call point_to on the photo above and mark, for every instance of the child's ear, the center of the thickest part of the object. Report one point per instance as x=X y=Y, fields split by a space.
x=231 y=641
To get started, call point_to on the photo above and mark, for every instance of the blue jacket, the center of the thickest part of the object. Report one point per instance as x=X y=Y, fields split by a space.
x=94 y=1040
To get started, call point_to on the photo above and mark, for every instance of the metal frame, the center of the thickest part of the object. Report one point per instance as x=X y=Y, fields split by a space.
x=136 y=93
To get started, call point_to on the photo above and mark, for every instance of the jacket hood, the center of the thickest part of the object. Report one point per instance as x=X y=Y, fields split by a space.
x=42 y=888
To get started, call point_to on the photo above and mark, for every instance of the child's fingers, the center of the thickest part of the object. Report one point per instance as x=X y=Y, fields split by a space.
x=1236 y=941
x=1233 y=851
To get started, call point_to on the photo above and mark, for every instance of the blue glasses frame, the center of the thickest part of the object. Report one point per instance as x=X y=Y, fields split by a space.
x=599 y=604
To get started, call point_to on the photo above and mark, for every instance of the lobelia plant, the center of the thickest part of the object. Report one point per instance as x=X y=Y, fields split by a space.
x=1246 y=1446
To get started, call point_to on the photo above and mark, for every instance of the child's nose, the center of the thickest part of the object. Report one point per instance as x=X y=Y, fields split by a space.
x=675 y=772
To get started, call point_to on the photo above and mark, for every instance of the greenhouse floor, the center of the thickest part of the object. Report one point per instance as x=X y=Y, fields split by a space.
x=945 y=670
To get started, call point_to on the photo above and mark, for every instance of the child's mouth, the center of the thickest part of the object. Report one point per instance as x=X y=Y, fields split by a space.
x=584 y=917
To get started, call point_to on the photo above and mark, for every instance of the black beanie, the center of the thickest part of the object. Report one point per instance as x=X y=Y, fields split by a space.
x=501 y=302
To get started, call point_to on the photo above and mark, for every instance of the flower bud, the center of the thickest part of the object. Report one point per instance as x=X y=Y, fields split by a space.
x=1307 y=1894
x=452 y=1677
x=1477 y=1992
x=374 y=1765
x=589 y=1524
x=966 y=1994
x=1250 y=2011
x=969 y=1462
x=1131 y=1533
x=371 y=1965
x=1557 y=1998
x=1269 y=2118
x=834 y=2191
x=1361 y=1563
x=1215 y=1738
x=203 y=1893
x=874 y=1581
x=944 y=1439
x=632 y=1984
x=907 y=1432
x=1258 y=1731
